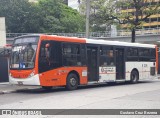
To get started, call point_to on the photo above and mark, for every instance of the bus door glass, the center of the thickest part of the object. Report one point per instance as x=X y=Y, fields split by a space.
x=120 y=64
x=107 y=68
x=92 y=56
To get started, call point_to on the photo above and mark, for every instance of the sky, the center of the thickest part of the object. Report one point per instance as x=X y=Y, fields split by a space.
x=73 y=4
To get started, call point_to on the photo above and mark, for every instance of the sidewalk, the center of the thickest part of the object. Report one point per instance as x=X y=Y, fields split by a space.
x=5 y=87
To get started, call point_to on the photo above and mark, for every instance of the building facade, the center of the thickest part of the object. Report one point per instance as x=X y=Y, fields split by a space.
x=2 y=32
x=151 y=22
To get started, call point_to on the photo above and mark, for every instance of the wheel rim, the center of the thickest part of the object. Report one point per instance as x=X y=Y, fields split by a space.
x=73 y=81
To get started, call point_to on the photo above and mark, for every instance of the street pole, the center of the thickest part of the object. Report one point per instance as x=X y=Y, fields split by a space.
x=87 y=17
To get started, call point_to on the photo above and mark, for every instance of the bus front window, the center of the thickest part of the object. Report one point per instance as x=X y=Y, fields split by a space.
x=23 y=56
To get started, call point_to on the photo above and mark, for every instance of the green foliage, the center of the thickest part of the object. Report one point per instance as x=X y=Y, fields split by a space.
x=72 y=20
x=142 y=10
x=46 y=16
x=111 y=11
x=18 y=14
x=97 y=14
x=58 y=17
x=107 y=12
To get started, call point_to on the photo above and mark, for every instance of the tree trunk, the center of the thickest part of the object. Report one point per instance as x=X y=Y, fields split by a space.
x=133 y=35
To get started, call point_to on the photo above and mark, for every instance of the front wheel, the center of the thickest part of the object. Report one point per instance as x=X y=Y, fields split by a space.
x=72 y=82
x=134 y=77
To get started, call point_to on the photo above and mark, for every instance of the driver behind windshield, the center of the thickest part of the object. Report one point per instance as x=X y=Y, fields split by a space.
x=28 y=55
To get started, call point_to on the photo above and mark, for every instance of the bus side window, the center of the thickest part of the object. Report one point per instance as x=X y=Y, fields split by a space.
x=132 y=54
x=152 y=54
x=144 y=54
x=71 y=54
x=83 y=55
x=110 y=56
x=106 y=56
x=55 y=55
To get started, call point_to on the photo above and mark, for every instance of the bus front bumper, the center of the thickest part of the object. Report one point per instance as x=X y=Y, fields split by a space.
x=34 y=80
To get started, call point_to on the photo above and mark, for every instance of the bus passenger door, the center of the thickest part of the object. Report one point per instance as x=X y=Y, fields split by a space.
x=120 y=64
x=92 y=56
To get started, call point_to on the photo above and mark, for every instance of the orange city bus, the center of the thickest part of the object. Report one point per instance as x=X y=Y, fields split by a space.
x=69 y=61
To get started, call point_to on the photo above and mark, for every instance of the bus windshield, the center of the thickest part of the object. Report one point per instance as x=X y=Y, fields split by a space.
x=23 y=55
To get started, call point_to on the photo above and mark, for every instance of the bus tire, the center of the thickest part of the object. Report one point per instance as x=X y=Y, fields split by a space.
x=134 y=77
x=47 y=87
x=72 y=81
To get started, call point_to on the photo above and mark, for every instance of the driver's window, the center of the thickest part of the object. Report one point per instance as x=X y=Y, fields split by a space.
x=44 y=57
x=44 y=51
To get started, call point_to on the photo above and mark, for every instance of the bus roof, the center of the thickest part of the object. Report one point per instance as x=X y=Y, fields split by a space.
x=93 y=41
x=119 y=43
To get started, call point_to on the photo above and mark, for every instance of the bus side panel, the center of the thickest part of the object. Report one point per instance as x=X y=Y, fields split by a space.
x=144 y=69
x=107 y=74
x=130 y=66
x=57 y=77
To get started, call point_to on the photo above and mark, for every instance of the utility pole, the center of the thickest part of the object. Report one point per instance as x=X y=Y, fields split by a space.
x=87 y=17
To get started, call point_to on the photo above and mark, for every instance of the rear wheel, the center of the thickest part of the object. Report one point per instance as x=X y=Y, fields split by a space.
x=134 y=77
x=72 y=81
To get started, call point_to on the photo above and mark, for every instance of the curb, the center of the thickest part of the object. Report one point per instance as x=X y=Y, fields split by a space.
x=7 y=92
x=4 y=83
x=11 y=91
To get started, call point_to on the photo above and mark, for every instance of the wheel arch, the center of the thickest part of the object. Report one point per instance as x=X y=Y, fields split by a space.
x=135 y=69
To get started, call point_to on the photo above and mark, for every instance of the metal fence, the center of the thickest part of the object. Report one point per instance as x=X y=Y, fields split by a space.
x=118 y=33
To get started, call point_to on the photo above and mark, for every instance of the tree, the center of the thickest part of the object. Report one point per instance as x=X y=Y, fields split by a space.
x=45 y=16
x=96 y=23
x=58 y=17
x=72 y=20
x=19 y=16
x=50 y=16
x=142 y=9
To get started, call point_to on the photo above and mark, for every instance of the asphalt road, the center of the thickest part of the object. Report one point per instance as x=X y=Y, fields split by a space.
x=144 y=95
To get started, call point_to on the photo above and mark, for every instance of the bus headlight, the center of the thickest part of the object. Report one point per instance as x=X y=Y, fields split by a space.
x=10 y=74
